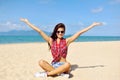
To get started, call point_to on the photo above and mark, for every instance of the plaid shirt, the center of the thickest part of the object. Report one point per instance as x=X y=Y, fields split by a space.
x=59 y=50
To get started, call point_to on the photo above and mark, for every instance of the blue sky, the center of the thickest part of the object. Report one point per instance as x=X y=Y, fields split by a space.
x=75 y=14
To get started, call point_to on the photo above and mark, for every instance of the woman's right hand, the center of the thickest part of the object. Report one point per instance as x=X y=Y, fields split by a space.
x=24 y=20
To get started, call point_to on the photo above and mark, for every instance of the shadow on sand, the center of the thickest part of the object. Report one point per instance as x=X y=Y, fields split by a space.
x=75 y=66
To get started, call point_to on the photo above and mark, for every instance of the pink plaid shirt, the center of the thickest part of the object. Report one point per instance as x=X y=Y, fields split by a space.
x=59 y=50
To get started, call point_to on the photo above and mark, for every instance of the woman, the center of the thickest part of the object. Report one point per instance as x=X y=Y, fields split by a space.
x=58 y=46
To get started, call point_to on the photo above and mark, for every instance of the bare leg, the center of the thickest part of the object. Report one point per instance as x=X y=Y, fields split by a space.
x=61 y=69
x=51 y=70
x=46 y=66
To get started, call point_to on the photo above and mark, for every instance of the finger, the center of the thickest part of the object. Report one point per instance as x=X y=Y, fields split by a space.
x=21 y=19
x=100 y=23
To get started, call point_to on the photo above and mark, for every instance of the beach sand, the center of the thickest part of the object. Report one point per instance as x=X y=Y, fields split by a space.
x=89 y=61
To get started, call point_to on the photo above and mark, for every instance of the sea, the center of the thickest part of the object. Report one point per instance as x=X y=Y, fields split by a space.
x=31 y=39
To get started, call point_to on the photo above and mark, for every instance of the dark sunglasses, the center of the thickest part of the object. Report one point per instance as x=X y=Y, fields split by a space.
x=60 y=31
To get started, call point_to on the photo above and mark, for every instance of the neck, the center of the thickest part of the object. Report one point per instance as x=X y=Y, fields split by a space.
x=59 y=38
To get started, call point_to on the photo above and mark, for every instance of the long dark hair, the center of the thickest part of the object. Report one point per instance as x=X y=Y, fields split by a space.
x=54 y=36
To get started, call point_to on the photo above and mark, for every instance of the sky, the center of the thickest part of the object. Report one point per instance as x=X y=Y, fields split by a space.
x=75 y=14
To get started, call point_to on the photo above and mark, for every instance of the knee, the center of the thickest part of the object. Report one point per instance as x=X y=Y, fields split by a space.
x=41 y=62
x=68 y=65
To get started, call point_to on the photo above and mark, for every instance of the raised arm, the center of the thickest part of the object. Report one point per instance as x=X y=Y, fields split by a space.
x=75 y=36
x=46 y=37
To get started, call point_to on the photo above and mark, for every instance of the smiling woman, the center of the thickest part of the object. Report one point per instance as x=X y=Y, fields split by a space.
x=59 y=46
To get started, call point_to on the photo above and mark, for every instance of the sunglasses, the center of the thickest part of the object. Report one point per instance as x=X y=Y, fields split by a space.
x=60 y=32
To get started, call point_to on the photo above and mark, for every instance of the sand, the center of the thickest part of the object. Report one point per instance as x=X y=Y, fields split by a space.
x=89 y=60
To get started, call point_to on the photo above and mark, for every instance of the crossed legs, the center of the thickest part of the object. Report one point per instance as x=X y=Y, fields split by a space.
x=54 y=71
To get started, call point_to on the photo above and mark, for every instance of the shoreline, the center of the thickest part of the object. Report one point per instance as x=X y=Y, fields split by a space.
x=32 y=39
x=46 y=42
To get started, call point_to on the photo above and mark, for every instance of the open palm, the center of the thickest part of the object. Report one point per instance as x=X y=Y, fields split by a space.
x=24 y=19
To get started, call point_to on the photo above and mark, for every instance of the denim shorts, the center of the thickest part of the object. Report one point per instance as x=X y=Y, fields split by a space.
x=57 y=64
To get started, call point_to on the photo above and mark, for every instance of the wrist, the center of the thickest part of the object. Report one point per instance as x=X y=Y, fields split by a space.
x=92 y=25
x=26 y=22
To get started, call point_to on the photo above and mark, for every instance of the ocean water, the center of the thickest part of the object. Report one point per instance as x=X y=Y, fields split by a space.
x=28 y=39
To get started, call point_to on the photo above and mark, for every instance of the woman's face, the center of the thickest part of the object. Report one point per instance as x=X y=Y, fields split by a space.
x=60 y=32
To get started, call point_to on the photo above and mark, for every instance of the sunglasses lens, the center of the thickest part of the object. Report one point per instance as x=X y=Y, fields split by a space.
x=62 y=31
x=58 y=31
